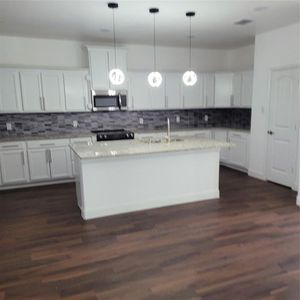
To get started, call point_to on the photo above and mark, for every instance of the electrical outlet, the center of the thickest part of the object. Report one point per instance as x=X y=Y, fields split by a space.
x=141 y=121
x=75 y=123
x=206 y=118
x=8 y=126
x=177 y=119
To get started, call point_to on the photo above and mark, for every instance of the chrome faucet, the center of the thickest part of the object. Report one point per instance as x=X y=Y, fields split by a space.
x=168 y=137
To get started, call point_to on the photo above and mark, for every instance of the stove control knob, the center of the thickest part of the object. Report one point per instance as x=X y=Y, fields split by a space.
x=100 y=136
x=127 y=135
x=105 y=136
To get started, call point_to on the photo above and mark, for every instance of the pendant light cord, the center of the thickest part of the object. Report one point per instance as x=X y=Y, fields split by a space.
x=190 y=45
x=114 y=29
x=154 y=43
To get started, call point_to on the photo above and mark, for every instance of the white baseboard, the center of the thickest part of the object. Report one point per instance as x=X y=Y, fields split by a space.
x=101 y=211
x=31 y=184
x=298 y=199
x=237 y=168
x=257 y=175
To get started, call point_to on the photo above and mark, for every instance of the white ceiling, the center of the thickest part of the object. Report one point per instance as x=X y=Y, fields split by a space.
x=91 y=21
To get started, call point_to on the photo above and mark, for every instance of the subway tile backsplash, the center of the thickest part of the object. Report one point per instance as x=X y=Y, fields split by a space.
x=39 y=124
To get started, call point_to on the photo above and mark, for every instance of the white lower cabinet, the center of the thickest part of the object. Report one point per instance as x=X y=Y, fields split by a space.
x=238 y=153
x=49 y=160
x=13 y=163
x=222 y=136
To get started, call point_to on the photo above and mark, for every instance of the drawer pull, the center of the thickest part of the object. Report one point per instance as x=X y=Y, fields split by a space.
x=10 y=146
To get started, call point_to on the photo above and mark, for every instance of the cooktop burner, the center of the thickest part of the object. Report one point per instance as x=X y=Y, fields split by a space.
x=113 y=134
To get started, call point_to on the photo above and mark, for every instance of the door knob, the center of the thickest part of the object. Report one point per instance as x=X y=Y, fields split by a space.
x=270 y=132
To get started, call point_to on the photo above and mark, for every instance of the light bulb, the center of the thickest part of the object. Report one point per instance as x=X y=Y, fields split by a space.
x=155 y=79
x=189 y=78
x=116 y=76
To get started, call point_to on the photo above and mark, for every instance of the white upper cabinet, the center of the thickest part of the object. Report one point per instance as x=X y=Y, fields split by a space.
x=101 y=60
x=31 y=90
x=53 y=91
x=10 y=94
x=76 y=91
x=139 y=91
x=193 y=96
x=157 y=96
x=209 y=90
x=223 y=89
x=247 y=87
x=173 y=90
x=236 y=89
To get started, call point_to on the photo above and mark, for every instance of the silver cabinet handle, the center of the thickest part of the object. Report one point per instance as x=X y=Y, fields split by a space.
x=50 y=156
x=48 y=144
x=47 y=156
x=41 y=102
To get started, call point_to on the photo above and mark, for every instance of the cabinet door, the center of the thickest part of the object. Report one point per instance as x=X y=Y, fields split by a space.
x=209 y=90
x=236 y=89
x=247 y=87
x=53 y=91
x=223 y=89
x=173 y=90
x=139 y=90
x=193 y=96
x=38 y=160
x=239 y=152
x=157 y=96
x=10 y=93
x=99 y=68
x=221 y=135
x=76 y=90
x=14 y=168
x=121 y=64
x=60 y=162
x=31 y=90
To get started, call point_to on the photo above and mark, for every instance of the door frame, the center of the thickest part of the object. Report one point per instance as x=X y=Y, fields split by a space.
x=268 y=123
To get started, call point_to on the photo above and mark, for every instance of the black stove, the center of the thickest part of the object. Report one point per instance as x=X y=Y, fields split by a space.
x=113 y=135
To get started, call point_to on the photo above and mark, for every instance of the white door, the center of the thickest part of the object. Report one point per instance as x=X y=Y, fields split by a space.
x=38 y=160
x=193 y=96
x=239 y=152
x=31 y=90
x=173 y=90
x=99 y=67
x=121 y=64
x=76 y=90
x=237 y=89
x=222 y=136
x=10 y=93
x=283 y=126
x=139 y=90
x=13 y=164
x=223 y=89
x=60 y=162
x=158 y=96
x=247 y=87
x=209 y=90
x=53 y=91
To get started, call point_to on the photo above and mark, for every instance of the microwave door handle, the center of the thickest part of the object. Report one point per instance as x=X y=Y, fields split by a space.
x=120 y=101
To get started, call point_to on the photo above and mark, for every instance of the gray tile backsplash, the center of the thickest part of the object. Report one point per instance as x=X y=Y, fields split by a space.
x=39 y=124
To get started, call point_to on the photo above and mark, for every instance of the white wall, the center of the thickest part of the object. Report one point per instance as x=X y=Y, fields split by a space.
x=274 y=49
x=298 y=196
x=71 y=54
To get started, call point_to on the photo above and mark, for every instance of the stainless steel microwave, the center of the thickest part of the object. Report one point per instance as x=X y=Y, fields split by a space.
x=109 y=100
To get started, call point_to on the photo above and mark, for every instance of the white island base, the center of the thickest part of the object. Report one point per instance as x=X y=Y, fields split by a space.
x=113 y=185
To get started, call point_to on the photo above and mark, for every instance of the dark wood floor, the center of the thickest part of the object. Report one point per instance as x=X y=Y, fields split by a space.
x=245 y=245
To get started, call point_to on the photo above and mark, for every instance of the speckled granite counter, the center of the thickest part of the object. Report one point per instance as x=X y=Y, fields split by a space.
x=143 y=146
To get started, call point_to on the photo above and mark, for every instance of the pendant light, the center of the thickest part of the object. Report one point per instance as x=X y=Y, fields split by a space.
x=154 y=78
x=116 y=76
x=189 y=78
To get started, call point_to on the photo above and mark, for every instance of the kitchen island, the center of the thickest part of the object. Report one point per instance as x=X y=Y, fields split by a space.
x=122 y=176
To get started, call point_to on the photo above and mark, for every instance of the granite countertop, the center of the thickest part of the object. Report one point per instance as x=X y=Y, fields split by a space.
x=50 y=136
x=174 y=130
x=144 y=146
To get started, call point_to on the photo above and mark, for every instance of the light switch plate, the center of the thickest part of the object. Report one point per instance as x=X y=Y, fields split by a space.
x=177 y=119
x=141 y=121
x=206 y=118
x=75 y=123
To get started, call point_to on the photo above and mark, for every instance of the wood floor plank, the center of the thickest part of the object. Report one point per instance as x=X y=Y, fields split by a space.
x=245 y=245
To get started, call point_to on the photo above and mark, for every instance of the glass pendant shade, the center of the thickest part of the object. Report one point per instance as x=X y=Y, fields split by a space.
x=116 y=76
x=155 y=79
x=189 y=78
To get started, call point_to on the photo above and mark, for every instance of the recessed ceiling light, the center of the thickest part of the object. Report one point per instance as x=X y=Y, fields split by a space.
x=243 y=22
x=260 y=8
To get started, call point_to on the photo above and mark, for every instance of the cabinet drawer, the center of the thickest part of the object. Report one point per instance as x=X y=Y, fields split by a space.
x=12 y=145
x=48 y=143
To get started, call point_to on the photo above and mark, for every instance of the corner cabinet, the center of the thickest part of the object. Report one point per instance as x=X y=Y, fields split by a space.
x=101 y=61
